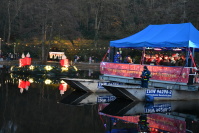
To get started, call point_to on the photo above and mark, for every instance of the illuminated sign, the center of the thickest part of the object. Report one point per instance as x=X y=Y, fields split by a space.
x=104 y=99
x=56 y=55
x=107 y=83
x=158 y=108
x=159 y=92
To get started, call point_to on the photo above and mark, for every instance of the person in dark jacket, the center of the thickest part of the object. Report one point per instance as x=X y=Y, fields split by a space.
x=146 y=74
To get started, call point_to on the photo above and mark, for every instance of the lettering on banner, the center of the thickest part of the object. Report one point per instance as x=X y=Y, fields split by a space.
x=159 y=73
x=158 y=108
x=104 y=99
x=100 y=84
x=159 y=92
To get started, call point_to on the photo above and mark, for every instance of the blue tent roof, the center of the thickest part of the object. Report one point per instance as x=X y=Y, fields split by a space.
x=165 y=35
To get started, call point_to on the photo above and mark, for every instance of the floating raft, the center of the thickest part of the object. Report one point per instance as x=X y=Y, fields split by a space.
x=89 y=85
x=151 y=94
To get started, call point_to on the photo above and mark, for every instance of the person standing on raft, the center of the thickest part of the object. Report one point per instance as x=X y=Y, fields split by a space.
x=146 y=74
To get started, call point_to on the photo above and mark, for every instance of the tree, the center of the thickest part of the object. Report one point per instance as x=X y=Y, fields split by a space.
x=13 y=8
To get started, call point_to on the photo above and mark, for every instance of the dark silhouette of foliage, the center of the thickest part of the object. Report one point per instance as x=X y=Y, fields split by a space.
x=44 y=22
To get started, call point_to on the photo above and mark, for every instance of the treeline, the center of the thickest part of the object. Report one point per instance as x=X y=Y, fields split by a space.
x=44 y=21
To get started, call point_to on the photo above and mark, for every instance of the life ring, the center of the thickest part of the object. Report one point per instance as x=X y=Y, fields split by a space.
x=149 y=98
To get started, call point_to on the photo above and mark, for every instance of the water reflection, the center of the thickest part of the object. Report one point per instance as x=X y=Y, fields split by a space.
x=24 y=81
x=162 y=116
x=42 y=108
x=23 y=85
x=82 y=97
x=37 y=110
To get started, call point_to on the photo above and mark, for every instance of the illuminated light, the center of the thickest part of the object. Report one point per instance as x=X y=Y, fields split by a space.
x=48 y=68
x=47 y=81
x=11 y=68
x=63 y=82
x=31 y=80
x=75 y=68
x=64 y=68
x=31 y=67
x=11 y=75
x=148 y=48
x=157 y=49
x=177 y=49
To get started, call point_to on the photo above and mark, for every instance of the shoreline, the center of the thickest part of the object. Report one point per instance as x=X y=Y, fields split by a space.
x=79 y=65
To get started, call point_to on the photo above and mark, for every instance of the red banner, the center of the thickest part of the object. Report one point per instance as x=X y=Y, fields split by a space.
x=165 y=73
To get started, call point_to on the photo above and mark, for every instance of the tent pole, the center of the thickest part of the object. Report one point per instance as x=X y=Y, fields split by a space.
x=143 y=54
x=193 y=56
x=193 y=52
x=187 y=57
x=112 y=53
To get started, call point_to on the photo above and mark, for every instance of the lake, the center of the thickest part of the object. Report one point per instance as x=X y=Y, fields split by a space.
x=41 y=107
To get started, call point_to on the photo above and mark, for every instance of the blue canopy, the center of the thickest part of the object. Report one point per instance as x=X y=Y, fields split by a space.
x=165 y=35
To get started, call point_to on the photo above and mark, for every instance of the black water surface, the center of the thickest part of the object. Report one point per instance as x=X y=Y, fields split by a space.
x=42 y=109
x=37 y=110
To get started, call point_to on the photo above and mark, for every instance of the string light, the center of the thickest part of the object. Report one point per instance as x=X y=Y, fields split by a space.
x=157 y=49
x=177 y=49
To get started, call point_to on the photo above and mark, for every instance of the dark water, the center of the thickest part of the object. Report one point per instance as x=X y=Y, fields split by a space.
x=42 y=109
